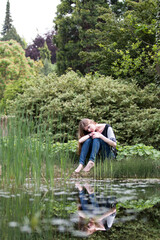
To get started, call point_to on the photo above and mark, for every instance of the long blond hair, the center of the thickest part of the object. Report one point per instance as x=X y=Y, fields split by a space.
x=81 y=130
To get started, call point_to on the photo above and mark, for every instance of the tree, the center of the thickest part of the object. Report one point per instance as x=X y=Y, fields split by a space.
x=110 y=37
x=74 y=19
x=8 y=20
x=137 y=59
x=118 y=7
x=14 y=65
x=126 y=44
x=107 y=36
x=9 y=32
x=13 y=35
x=33 y=50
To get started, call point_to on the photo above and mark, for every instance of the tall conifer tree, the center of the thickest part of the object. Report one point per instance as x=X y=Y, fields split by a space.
x=74 y=19
x=9 y=31
x=8 y=20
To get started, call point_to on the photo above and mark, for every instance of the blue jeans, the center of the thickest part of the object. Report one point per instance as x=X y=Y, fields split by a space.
x=93 y=146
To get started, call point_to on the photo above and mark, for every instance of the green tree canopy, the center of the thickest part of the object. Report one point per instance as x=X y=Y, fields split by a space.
x=93 y=37
x=14 y=65
x=74 y=19
x=126 y=44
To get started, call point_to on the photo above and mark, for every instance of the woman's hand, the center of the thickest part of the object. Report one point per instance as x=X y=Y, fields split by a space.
x=105 y=139
x=96 y=135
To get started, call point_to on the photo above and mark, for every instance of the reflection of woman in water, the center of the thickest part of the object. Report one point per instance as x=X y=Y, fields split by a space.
x=100 y=214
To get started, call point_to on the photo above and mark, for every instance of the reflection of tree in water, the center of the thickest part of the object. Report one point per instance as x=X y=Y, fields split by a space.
x=95 y=214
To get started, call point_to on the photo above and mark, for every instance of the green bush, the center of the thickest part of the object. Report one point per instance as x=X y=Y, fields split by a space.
x=140 y=151
x=60 y=102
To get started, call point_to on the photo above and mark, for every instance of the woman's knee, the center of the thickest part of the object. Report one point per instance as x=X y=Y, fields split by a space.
x=88 y=140
x=96 y=140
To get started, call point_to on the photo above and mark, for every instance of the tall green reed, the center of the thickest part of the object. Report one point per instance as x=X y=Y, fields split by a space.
x=133 y=167
x=27 y=152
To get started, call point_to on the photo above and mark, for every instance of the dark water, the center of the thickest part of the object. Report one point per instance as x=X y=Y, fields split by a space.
x=74 y=208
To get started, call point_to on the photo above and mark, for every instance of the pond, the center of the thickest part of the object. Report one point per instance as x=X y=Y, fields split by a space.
x=98 y=209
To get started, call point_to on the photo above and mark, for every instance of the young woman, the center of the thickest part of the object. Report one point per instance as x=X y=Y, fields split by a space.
x=94 y=137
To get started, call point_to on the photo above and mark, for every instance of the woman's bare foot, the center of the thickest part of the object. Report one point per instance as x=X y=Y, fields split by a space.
x=79 y=168
x=78 y=185
x=89 y=166
x=89 y=188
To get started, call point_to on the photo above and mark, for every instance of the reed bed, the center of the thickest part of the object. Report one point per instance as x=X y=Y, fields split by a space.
x=26 y=152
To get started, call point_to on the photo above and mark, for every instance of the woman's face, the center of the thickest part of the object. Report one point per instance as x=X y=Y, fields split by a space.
x=91 y=228
x=91 y=127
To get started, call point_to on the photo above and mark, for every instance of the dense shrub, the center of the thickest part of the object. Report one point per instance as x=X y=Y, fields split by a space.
x=60 y=102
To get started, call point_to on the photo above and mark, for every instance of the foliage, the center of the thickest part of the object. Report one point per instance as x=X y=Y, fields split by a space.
x=44 y=52
x=126 y=45
x=45 y=55
x=14 y=67
x=70 y=146
x=47 y=68
x=115 y=39
x=74 y=19
x=118 y=7
x=60 y=103
x=138 y=150
x=138 y=59
x=13 y=35
x=141 y=67
x=39 y=43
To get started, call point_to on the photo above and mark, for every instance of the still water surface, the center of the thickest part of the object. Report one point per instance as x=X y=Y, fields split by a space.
x=71 y=208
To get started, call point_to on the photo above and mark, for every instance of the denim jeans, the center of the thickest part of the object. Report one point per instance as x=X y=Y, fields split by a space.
x=93 y=146
x=88 y=203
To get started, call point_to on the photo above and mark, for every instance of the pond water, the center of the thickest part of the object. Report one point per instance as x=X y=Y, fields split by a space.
x=74 y=208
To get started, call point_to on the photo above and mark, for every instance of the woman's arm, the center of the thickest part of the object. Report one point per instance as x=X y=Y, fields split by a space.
x=105 y=139
x=110 y=212
x=109 y=141
x=84 y=138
